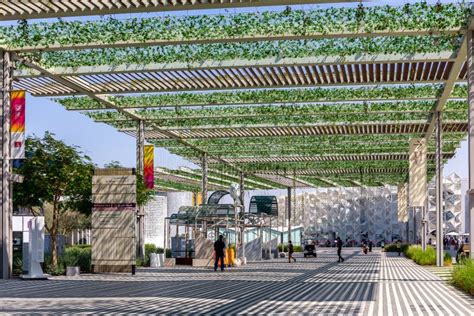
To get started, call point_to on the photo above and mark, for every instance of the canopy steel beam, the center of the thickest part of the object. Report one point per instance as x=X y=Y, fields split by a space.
x=42 y=9
x=449 y=84
x=250 y=114
x=327 y=181
x=242 y=63
x=55 y=92
x=340 y=171
x=179 y=178
x=108 y=104
x=256 y=146
x=298 y=180
x=294 y=125
x=330 y=157
x=209 y=177
x=236 y=178
x=355 y=100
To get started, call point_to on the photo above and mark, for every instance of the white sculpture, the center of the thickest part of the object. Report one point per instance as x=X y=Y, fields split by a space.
x=36 y=248
x=234 y=190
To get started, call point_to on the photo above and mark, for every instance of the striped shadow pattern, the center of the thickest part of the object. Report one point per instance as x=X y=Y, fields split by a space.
x=372 y=284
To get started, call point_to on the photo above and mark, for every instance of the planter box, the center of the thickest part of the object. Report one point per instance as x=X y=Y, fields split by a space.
x=73 y=271
x=203 y=263
x=170 y=262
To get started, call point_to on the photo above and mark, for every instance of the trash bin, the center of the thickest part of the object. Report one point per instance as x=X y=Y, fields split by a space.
x=161 y=259
x=230 y=256
x=154 y=260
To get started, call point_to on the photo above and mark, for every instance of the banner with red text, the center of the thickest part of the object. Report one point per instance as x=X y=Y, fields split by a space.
x=148 y=166
x=17 y=127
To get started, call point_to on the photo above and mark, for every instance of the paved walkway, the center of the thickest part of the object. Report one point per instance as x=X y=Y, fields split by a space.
x=373 y=284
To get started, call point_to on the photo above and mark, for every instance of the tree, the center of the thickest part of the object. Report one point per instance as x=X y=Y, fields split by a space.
x=144 y=195
x=57 y=175
x=113 y=164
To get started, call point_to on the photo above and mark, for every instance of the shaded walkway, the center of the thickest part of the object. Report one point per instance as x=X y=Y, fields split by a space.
x=372 y=284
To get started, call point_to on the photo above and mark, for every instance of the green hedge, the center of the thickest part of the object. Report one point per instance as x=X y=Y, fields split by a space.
x=49 y=268
x=284 y=248
x=393 y=248
x=78 y=255
x=424 y=258
x=463 y=276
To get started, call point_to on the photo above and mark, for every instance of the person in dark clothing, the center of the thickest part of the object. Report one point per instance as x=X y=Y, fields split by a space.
x=399 y=248
x=290 y=251
x=219 y=247
x=339 y=249
x=371 y=244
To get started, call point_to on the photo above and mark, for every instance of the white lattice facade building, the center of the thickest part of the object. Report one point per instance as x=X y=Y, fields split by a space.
x=452 y=205
x=352 y=213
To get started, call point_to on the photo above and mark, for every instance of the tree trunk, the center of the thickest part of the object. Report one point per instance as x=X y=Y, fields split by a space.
x=54 y=249
x=53 y=234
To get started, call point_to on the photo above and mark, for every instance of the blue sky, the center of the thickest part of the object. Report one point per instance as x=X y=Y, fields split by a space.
x=104 y=144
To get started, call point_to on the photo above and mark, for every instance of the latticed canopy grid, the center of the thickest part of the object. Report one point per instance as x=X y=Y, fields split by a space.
x=313 y=97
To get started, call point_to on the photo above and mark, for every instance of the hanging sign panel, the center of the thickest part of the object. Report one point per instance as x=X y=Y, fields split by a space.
x=17 y=127
x=417 y=189
x=403 y=203
x=148 y=166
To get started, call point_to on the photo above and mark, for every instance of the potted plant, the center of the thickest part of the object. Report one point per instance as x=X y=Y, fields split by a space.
x=71 y=261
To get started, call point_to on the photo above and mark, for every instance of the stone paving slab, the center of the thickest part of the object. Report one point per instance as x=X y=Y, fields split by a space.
x=372 y=284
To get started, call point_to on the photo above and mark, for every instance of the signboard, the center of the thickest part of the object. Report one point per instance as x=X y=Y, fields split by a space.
x=113 y=219
x=155 y=212
x=148 y=166
x=17 y=127
x=417 y=190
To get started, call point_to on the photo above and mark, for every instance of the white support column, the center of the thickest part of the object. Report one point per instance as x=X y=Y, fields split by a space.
x=204 y=178
x=242 y=192
x=424 y=227
x=141 y=211
x=470 y=65
x=439 y=190
x=6 y=218
x=242 y=208
x=289 y=214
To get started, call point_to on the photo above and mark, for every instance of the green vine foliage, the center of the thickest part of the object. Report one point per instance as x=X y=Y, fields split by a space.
x=320 y=140
x=265 y=96
x=308 y=150
x=417 y=16
x=291 y=114
x=251 y=51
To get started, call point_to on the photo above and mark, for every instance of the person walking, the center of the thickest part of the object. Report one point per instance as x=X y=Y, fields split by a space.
x=339 y=249
x=371 y=244
x=399 y=248
x=219 y=247
x=290 y=251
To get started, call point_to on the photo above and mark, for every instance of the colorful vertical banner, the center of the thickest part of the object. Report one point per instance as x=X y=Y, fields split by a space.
x=148 y=166
x=17 y=127
x=417 y=186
